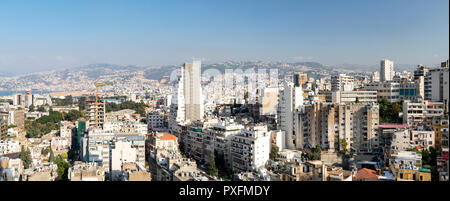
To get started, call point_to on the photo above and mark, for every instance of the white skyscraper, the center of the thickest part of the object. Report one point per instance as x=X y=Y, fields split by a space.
x=187 y=102
x=291 y=99
x=386 y=70
x=193 y=91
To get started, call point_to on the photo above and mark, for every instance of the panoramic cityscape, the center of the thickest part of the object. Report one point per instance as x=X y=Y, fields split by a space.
x=235 y=117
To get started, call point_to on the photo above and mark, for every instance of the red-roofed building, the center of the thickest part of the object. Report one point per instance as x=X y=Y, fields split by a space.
x=162 y=140
x=366 y=175
x=390 y=126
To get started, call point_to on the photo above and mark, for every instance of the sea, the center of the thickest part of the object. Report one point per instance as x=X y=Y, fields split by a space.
x=9 y=93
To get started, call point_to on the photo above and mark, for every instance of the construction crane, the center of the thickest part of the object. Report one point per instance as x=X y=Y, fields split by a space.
x=96 y=102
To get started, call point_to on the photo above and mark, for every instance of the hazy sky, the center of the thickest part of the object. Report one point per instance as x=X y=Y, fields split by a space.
x=40 y=35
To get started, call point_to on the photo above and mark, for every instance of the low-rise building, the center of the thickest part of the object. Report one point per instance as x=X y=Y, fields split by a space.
x=420 y=114
x=423 y=139
x=82 y=171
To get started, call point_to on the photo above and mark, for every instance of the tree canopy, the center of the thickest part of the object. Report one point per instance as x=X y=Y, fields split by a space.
x=138 y=107
x=274 y=152
x=212 y=169
x=25 y=156
x=389 y=112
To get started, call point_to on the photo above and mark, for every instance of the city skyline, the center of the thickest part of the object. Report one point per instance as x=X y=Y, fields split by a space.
x=52 y=35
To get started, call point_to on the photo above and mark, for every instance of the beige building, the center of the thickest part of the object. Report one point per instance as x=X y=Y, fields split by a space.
x=424 y=139
x=325 y=124
x=342 y=82
x=86 y=172
x=95 y=113
x=420 y=114
x=352 y=97
x=300 y=79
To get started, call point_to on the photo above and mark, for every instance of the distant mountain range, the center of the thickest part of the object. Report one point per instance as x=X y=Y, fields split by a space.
x=83 y=77
x=94 y=71
x=373 y=68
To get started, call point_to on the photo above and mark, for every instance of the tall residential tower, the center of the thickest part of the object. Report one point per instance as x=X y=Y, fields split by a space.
x=386 y=70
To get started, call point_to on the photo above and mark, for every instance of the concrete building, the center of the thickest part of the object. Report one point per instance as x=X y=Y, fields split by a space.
x=193 y=91
x=386 y=70
x=3 y=129
x=19 y=100
x=10 y=169
x=250 y=149
x=8 y=146
x=396 y=91
x=407 y=166
x=156 y=121
x=166 y=163
x=81 y=171
x=424 y=139
x=95 y=114
x=291 y=100
x=17 y=117
x=420 y=114
x=187 y=99
x=300 y=79
x=325 y=124
x=440 y=127
x=437 y=85
x=394 y=139
x=217 y=138
x=121 y=152
x=269 y=101
x=342 y=82
x=353 y=97
x=28 y=99
x=375 y=77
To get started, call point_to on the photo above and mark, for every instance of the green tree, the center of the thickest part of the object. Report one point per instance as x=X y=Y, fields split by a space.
x=316 y=153
x=25 y=156
x=11 y=126
x=51 y=158
x=31 y=108
x=138 y=107
x=343 y=146
x=46 y=150
x=41 y=109
x=63 y=167
x=274 y=152
x=65 y=155
x=389 y=111
x=212 y=169
x=82 y=103
x=72 y=115
x=414 y=150
x=426 y=157
x=71 y=155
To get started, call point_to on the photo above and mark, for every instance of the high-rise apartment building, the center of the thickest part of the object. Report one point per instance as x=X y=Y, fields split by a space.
x=291 y=99
x=327 y=124
x=95 y=113
x=187 y=100
x=387 y=70
x=437 y=84
x=28 y=99
x=193 y=91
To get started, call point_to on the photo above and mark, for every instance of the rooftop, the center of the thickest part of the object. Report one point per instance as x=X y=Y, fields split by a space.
x=394 y=126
